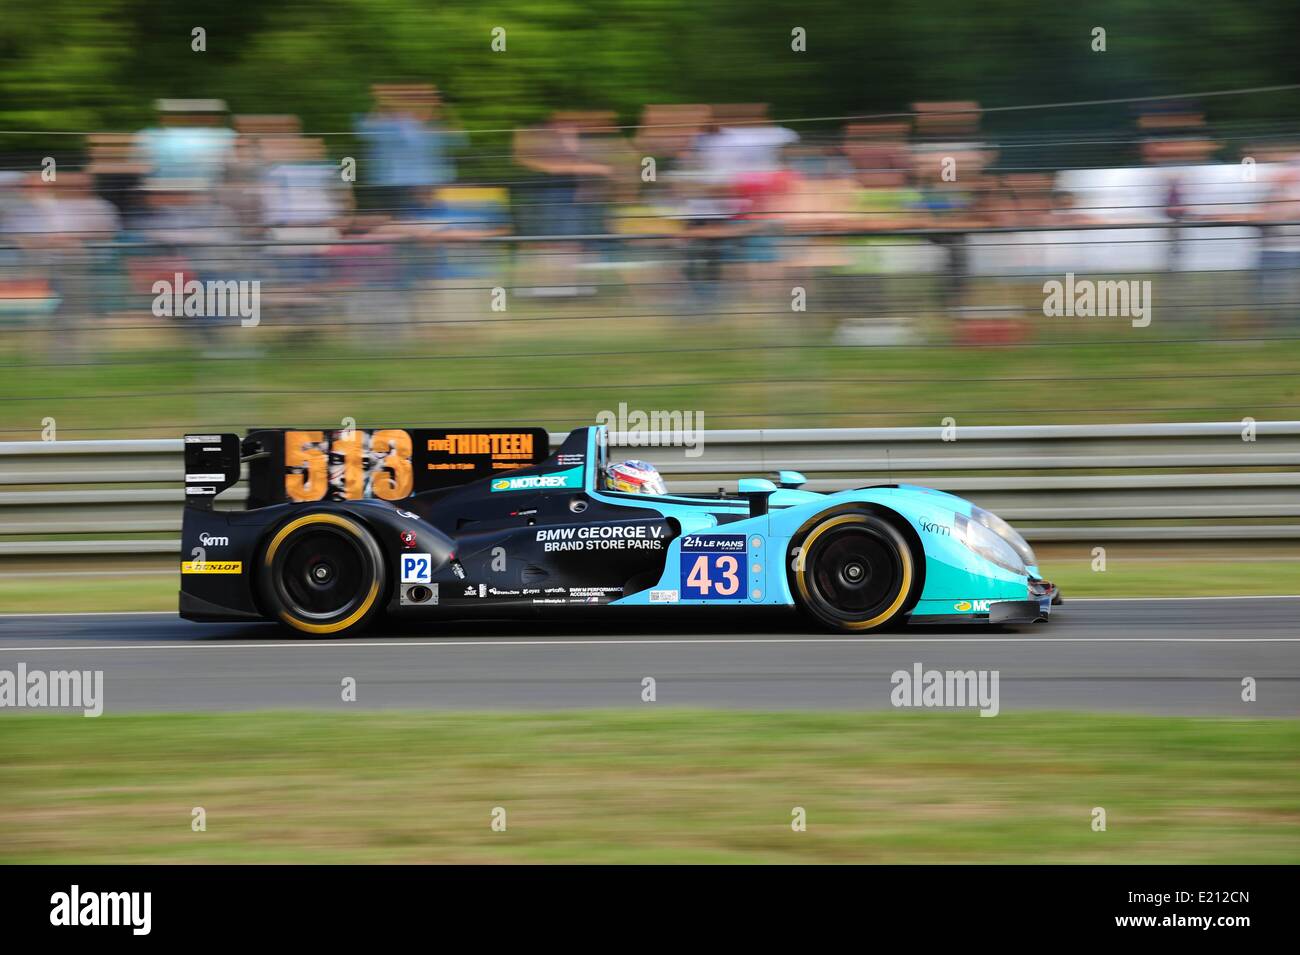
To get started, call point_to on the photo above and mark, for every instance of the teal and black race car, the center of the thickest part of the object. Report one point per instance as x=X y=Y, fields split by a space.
x=342 y=527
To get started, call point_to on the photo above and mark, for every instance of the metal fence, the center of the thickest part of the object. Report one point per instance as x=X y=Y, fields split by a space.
x=1139 y=482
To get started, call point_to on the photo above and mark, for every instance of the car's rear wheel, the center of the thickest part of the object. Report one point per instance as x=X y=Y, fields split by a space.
x=323 y=574
x=853 y=572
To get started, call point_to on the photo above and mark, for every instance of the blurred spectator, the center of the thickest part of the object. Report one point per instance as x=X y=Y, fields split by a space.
x=192 y=142
x=562 y=152
x=881 y=200
x=187 y=232
x=667 y=134
x=1279 y=259
x=743 y=192
x=569 y=195
x=244 y=190
x=409 y=147
x=304 y=201
x=302 y=190
x=182 y=212
x=61 y=213
x=54 y=224
x=742 y=144
x=118 y=171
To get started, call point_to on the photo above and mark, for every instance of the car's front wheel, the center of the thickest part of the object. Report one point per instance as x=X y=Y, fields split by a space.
x=323 y=574
x=852 y=572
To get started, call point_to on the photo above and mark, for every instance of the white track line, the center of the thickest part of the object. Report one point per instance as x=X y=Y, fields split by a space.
x=492 y=643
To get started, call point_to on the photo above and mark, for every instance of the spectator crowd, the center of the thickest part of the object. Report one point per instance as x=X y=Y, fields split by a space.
x=704 y=200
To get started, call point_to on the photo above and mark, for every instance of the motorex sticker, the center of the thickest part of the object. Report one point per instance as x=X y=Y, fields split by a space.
x=571 y=478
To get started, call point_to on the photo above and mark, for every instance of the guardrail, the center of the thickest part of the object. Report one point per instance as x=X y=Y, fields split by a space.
x=1137 y=482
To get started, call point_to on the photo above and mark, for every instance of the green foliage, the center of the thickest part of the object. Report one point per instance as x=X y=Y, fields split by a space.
x=99 y=64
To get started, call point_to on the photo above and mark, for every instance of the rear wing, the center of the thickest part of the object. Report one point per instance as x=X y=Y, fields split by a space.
x=300 y=465
x=211 y=466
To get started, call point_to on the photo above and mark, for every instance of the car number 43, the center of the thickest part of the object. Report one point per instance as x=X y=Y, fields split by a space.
x=711 y=577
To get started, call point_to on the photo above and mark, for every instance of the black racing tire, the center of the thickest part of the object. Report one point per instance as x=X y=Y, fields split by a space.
x=323 y=575
x=852 y=572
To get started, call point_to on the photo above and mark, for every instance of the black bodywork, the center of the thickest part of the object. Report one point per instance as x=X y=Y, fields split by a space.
x=484 y=547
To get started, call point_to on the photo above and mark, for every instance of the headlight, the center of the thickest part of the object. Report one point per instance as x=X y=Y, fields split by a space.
x=987 y=544
x=1008 y=533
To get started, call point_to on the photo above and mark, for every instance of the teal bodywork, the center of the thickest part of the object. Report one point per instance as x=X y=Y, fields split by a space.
x=957 y=581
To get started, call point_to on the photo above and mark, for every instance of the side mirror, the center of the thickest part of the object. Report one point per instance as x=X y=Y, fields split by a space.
x=791 y=479
x=756 y=491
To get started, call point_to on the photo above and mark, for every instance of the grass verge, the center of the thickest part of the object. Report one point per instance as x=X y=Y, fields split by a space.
x=659 y=785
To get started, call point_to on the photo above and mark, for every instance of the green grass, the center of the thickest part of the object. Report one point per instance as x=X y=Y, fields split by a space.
x=657 y=785
x=562 y=370
x=1176 y=578
x=108 y=594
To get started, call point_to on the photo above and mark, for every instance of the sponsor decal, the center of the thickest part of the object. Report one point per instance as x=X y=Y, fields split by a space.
x=941 y=530
x=408 y=515
x=978 y=606
x=663 y=596
x=505 y=447
x=203 y=439
x=539 y=482
x=594 y=591
x=201 y=490
x=192 y=478
x=408 y=539
x=713 y=567
x=470 y=591
x=717 y=543
x=417 y=568
x=213 y=540
x=602 y=537
x=498 y=592
x=347 y=465
x=212 y=567
x=568 y=460
x=457 y=569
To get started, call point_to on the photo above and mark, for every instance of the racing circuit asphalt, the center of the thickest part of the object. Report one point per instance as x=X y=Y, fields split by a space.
x=1172 y=655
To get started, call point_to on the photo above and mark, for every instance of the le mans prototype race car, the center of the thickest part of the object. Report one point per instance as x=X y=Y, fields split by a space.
x=342 y=527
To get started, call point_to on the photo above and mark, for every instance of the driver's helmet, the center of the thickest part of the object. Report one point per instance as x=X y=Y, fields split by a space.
x=634 y=477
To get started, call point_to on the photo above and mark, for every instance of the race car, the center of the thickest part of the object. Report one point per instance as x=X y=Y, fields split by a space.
x=343 y=527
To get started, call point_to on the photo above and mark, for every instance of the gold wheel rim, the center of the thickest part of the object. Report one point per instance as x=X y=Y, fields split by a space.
x=800 y=575
x=320 y=628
